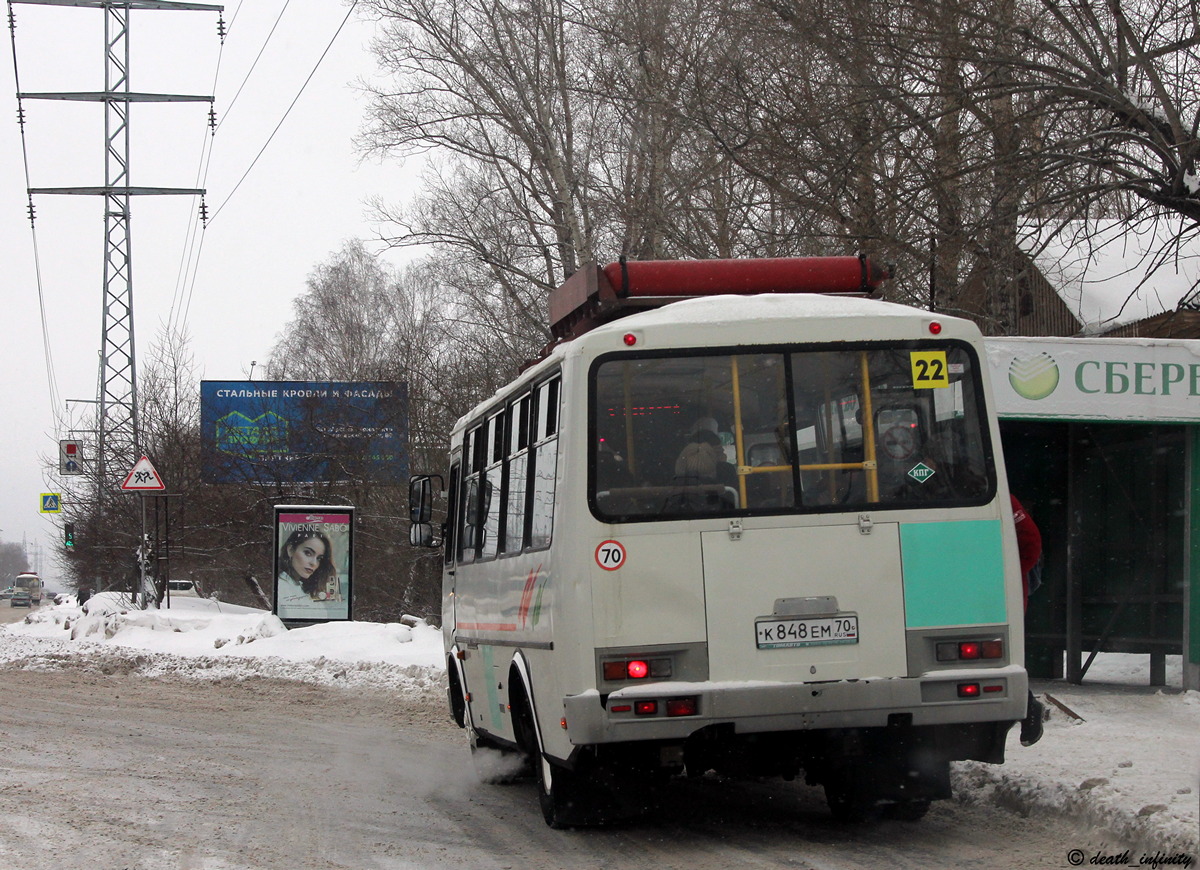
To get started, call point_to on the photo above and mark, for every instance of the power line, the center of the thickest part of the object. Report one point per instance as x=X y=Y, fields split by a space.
x=257 y=57
x=189 y=256
x=51 y=378
x=286 y=113
x=266 y=144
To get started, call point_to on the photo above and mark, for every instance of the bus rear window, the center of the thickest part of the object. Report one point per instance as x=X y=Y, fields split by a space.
x=797 y=429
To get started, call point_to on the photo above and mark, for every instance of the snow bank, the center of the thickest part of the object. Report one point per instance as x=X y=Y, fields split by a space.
x=204 y=639
x=1129 y=765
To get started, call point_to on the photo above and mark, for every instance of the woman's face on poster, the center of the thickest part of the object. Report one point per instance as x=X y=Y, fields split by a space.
x=306 y=556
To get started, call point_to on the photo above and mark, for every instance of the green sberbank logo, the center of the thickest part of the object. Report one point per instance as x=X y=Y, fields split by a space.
x=1034 y=377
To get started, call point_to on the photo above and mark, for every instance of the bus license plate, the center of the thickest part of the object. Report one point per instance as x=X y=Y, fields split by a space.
x=818 y=631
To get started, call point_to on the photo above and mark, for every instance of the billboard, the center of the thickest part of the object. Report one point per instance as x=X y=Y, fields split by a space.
x=1136 y=380
x=303 y=431
x=314 y=562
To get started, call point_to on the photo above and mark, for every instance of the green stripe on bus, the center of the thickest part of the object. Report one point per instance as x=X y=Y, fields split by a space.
x=953 y=573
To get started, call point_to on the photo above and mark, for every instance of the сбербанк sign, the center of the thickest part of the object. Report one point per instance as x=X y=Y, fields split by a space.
x=1108 y=379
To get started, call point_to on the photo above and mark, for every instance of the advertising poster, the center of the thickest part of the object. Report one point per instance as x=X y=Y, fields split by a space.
x=303 y=431
x=313 y=562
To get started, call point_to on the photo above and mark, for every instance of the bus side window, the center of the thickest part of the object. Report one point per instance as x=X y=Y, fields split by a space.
x=490 y=509
x=473 y=458
x=452 y=514
x=516 y=477
x=545 y=462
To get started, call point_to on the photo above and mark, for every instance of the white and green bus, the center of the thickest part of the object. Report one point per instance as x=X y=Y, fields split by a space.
x=763 y=529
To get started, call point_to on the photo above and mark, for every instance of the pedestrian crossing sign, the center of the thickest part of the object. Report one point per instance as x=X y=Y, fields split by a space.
x=51 y=503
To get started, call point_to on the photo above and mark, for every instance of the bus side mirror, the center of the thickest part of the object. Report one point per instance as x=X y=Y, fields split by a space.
x=420 y=510
x=421 y=535
x=420 y=497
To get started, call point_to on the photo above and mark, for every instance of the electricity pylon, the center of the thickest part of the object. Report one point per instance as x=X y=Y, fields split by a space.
x=118 y=421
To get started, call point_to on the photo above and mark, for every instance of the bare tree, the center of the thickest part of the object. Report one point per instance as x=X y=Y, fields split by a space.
x=491 y=83
x=929 y=133
x=12 y=562
x=361 y=319
x=567 y=135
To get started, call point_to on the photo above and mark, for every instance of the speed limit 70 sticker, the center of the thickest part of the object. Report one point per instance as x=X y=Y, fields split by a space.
x=610 y=555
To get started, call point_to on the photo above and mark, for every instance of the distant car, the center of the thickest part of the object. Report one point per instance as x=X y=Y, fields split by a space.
x=20 y=598
x=185 y=588
x=7 y=593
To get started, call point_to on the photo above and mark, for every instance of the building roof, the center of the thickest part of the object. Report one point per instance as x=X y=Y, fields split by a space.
x=1112 y=273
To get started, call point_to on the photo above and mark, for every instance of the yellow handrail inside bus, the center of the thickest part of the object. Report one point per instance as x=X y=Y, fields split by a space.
x=738 y=443
x=869 y=463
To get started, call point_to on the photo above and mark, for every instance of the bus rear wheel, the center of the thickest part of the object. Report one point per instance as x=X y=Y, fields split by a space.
x=852 y=794
x=565 y=797
x=850 y=806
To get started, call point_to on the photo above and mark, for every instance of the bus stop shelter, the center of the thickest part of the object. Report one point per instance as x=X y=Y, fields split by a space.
x=1101 y=440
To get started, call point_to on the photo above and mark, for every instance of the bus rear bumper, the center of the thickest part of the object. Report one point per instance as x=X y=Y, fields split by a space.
x=955 y=697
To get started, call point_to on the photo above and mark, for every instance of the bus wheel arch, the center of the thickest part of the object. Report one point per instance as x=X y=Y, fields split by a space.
x=526 y=731
x=456 y=695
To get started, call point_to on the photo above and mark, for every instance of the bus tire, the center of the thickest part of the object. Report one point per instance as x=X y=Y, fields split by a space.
x=851 y=797
x=565 y=796
x=589 y=795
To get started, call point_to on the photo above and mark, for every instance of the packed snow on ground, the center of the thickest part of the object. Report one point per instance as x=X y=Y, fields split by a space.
x=1125 y=759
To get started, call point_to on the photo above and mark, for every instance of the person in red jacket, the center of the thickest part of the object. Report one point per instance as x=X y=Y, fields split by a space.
x=1029 y=543
x=1029 y=551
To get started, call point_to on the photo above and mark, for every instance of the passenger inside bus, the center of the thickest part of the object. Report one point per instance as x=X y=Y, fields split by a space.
x=702 y=460
x=704 y=479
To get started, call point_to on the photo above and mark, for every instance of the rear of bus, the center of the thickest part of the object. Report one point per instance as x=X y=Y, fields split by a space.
x=27 y=590
x=803 y=556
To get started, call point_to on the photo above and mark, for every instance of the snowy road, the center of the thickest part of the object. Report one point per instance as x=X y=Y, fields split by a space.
x=130 y=772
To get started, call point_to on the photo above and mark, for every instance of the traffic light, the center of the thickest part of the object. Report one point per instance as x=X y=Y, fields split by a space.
x=69 y=534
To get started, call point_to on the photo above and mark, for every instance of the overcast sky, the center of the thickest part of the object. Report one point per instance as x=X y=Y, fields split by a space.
x=305 y=196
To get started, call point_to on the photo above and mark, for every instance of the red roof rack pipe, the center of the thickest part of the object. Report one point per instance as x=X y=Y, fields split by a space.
x=596 y=295
x=634 y=278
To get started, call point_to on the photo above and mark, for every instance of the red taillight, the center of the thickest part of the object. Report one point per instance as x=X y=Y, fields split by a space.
x=629 y=338
x=969 y=650
x=645 y=708
x=994 y=688
x=620 y=708
x=637 y=669
x=934 y=327
x=681 y=706
x=968 y=690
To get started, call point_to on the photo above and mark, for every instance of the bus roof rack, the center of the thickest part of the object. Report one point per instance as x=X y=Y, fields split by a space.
x=599 y=294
